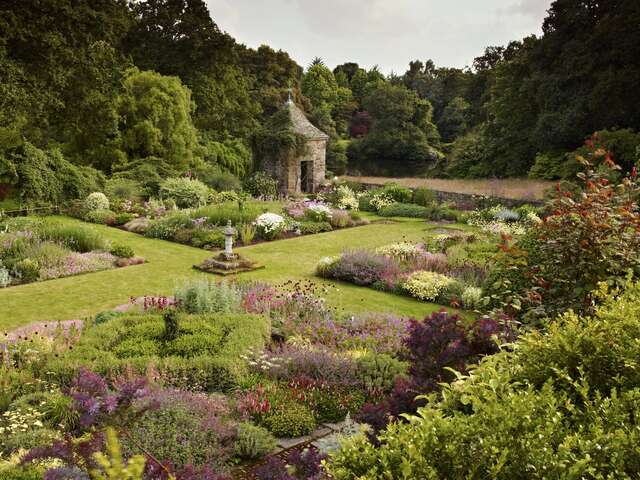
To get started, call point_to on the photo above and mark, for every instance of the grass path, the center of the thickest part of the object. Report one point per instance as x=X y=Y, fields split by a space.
x=170 y=263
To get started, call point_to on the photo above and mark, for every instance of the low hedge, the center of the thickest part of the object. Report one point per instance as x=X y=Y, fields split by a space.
x=204 y=355
x=432 y=212
x=404 y=210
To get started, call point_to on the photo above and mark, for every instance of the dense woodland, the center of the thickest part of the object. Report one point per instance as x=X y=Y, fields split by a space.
x=142 y=90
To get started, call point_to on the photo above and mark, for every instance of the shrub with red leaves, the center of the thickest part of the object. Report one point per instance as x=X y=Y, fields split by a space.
x=433 y=345
x=443 y=340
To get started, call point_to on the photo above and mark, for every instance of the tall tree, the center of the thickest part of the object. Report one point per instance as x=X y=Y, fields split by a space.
x=179 y=38
x=402 y=139
x=156 y=120
x=54 y=52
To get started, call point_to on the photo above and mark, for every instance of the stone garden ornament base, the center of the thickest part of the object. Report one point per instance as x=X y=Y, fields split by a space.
x=227 y=262
x=221 y=265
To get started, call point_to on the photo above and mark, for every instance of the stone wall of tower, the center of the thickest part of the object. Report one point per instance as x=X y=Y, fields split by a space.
x=318 y=153
x=288 y=171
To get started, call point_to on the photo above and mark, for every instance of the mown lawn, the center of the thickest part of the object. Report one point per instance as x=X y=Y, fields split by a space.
x=170 y=263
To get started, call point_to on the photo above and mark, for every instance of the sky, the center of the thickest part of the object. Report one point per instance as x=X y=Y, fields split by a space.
x=387 y=33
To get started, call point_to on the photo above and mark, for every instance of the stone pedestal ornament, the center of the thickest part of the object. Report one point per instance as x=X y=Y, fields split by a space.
x=229 y=232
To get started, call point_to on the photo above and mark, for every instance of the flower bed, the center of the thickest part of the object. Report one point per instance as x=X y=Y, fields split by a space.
x=446 y=269
x=202 y=225
x=32 y=251
x=209 y=379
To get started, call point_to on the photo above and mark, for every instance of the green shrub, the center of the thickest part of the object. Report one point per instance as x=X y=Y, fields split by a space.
x=310 y=228
x=160 y=229
x=222 y=213
x=261 y=184
x=334 y=403
x=289 y=420
x=59 y=412
x=47 y=254
x=27 y=270
x=166 y=227
x=247 y=233
x=204 y=296
x=122 y=218
x=45 y=176
x=222 y=181
x=177 y=433
x=123 y=189
x=379 y=371
x=207 y=238
x=101 y=217
x=471 y=297
x=171 y=325
x=253 y=442
x=404 y=210
x=364 y=202
x=75 y=237
x=604 y=346
x=186 y=192
x=122 y=251
x=548 y=166
x=204 y=355
x=446 y=213
x=96 y=201
x=22 y=473
x=563 y=404
x=27 y=439
x=397 y=193
x=424 y=197
x=223 y=197
x=105 y=316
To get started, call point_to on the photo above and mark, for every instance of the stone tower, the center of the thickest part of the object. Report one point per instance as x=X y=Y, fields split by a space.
x=305 y=173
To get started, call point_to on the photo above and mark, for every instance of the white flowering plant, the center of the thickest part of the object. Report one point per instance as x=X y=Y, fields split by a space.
x=502 y=221
x=471 y=297
x=381 y=200
x=96 y=201
x=5 y=276
x=270 y=225
x=324 y=266
x=318 y=212
x=402 y=251
x=347 y=199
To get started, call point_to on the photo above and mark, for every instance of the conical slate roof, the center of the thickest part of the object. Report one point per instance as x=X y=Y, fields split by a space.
x=302 y=125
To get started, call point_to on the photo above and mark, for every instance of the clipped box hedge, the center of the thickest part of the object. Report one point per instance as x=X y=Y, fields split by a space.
x=204 y=356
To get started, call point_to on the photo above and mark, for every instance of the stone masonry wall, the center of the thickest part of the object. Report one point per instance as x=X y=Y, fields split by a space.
x=465 y=201
x=318 y=153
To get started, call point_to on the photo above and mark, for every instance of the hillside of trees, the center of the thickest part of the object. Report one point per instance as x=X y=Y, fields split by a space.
x=96 y=89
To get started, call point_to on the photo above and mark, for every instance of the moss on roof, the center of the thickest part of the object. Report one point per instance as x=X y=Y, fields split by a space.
x=302 y=125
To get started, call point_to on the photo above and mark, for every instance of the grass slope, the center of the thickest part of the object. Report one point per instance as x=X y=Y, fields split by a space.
x=170 y=263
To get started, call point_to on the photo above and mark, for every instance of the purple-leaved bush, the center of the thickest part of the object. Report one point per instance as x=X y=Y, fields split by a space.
x=438 y=342
x=307 y=463
x=302 y=464
x=443 y=340
x=273 y=469
x=363 y=267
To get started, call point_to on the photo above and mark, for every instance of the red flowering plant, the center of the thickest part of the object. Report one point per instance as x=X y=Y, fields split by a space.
x=590 y=236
